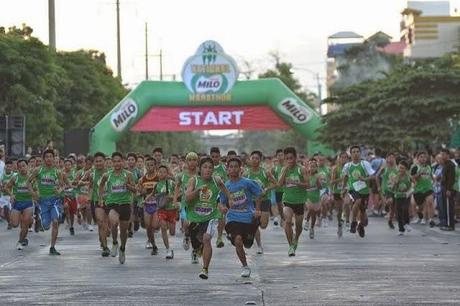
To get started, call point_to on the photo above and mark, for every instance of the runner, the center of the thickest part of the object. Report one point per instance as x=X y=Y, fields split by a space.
x=201 y=199
x=241 y=213
x=267 y=182
x=326 y=204
x=5 y=204
x=337 y=188
x=219 y=170
x=423 y=189
x=21 y=194
x=315 y=184
x=131 y=162
x=84 y=164
x=146 y=187
x=402 y=186
x=93 y=176
x=50 y=184
x=276 y=172
x=356 y=175
x=294 y=179
x=120 y=186
x=388 y=174
x=167 y=214
x=181 y=184
x=70 y=202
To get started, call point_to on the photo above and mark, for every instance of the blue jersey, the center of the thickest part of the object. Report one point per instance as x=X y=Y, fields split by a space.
x=243 y=192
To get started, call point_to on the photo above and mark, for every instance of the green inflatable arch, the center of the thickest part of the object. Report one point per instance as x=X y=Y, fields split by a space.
x=149 y=94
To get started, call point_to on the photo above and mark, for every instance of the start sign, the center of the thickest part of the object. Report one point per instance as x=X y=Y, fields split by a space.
x=209 y=118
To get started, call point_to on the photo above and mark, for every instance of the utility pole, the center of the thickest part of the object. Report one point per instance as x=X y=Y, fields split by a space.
x=319 y=94
x=161 y=64
x=51 y=26
x=118 y=41
x=146 y=53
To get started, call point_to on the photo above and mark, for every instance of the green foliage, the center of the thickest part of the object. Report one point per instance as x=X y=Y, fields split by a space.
x=414 y=104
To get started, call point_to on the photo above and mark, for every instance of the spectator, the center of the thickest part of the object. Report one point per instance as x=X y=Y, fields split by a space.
x=447 y=192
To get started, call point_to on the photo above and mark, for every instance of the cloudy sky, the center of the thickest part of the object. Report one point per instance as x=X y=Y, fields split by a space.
x=247 y=29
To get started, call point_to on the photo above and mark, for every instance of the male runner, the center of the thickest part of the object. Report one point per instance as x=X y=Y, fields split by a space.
x=219 y=170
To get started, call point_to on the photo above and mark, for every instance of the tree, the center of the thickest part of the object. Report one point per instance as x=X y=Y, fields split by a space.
x=415 y=104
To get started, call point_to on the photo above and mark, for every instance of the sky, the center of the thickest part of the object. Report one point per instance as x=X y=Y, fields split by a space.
x=248 y=30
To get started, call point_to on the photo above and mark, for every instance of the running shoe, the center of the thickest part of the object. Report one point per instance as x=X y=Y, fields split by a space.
x=295 y=243
x=275 y=221
x=114 y=251
x=186 y=242
x=408 y=228
x=400 y=233
x=391 y=225
x=19 y=246
x=169 y=254
x=53 y=251
x=130 y=234
x=194 y=257
x=136 y=226
x=423 y=222
x=245 y=272
x=306 y=226
x=219 y=242
x=72 y=231
x=353 y=227
x=105 y=252
x=361 y=231
x=148 y=245
x=90 y=228
x=260 y=250
x=204 y=273
x=154 y=250
x=340 y=231
x=122 y=257
x=25 y=242
x=312 y=233
x=291 y=251
x=432 y=224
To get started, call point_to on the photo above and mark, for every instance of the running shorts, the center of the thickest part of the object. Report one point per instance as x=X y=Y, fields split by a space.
x=298 y=209
x=197 y=230
x=169 y=216
x=22 y=205
x=420 y=197
x=50 y=210
x=123 y=210
x=247 y=232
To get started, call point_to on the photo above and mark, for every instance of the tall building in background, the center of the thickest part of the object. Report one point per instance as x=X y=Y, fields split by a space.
x=429 y=29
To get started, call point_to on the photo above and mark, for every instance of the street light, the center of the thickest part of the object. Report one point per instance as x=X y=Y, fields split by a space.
x=318 y=82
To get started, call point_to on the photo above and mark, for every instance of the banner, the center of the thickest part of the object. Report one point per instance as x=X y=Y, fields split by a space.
x=209 y=118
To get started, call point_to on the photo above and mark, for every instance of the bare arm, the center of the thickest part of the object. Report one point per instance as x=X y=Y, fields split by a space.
x=191 y=193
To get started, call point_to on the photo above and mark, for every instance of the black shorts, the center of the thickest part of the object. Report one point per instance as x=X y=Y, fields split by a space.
x=420 y=197
x=265 y=205
x=245 y=230
x=197 y=230
x=279 y=196
x=298 y=209
x=338 y=197
x=358 y=196
x=123 y=210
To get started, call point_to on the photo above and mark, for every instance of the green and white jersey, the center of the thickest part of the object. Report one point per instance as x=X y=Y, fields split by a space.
x=294 y=194
x=48 y=181
x=424 y=183
x=402 y=187
x=204 y=207
x=354 y=172
x=117 y=193
x=313 y=192
x=69 y=191
x=389 y=175
x=337 y=187
x=96 y=176
x=324 y=174
x=221 y=171
x=21 y=189
x=261 y=178
x=277 y=174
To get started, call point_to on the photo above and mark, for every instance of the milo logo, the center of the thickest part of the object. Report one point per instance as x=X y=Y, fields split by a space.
x=209 y=84
x=298 y=112
x=120 y=119
x=205 y=194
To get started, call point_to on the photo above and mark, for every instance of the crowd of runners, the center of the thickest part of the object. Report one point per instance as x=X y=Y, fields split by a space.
x=230 y=198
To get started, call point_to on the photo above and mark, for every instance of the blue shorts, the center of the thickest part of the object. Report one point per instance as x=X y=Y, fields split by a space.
x=183 y=214
x=150 y=208
x=50 y=211
x=22 y=205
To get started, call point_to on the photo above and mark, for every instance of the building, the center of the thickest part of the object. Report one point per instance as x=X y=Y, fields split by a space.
x=429 y=29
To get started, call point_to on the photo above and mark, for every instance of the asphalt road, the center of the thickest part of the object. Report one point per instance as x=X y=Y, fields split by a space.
x=422 y=267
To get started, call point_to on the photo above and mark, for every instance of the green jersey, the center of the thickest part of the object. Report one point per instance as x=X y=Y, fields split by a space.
x=388 y=178
x=204 y=207
x=21 y=189
x=221 y=171
x=183 y=179
x=48 y=180
x=5 y=180
x=161 y=187
x=117 y=193
x=354 y=172
x=313 y=193
x=294 y=194
x=424 y=183
x=277 y=174
x=324 y=174
x=96 y=176
x=402 y=186
x=337 y=187
x=261 y=178
x=69 y=191
x=83 y=189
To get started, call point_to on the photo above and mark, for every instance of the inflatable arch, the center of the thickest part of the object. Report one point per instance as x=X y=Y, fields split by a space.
x=209 y=98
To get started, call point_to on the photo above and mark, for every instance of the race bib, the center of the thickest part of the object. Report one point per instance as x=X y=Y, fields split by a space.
x=203 y=211
x=359 y=185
